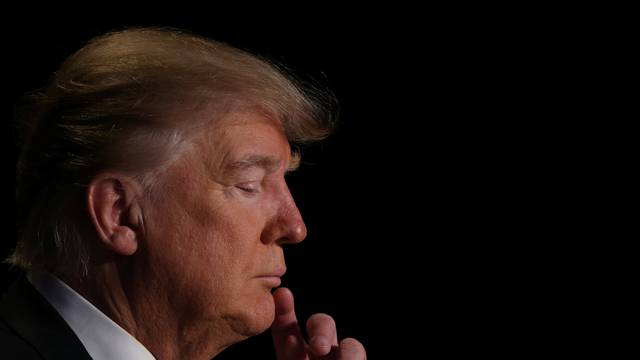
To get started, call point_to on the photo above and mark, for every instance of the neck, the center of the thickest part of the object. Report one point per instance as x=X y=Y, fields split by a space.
x=145 y=309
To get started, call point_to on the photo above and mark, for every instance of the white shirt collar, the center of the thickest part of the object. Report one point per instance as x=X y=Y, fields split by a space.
x=101 y=336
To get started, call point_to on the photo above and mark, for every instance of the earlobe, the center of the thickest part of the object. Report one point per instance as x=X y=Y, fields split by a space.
x=123 y=241
x=113 y=209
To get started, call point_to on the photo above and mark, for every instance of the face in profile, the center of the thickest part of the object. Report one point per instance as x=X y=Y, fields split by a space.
x=215 y=235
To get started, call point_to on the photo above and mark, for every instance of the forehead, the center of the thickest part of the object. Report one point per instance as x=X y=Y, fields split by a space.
x=246 y=137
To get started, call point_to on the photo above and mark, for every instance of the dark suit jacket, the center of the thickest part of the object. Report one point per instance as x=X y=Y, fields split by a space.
x=30 y=328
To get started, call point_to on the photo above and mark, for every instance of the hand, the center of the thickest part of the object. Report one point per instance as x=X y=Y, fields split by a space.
x=321 y=328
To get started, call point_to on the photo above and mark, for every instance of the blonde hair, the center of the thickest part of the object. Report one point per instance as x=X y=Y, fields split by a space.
x=120 y=103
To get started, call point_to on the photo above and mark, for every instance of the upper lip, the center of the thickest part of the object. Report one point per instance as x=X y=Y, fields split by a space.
x=276 y=273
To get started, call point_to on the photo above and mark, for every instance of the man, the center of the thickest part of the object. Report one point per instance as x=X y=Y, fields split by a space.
x=153 y=209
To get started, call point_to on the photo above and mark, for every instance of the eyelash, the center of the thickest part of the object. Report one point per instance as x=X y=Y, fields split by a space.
x=248 y=190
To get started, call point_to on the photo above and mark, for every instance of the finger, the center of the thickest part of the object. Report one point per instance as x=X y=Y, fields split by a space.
x=321 y=329
x=287 y=338
x=285 y=321
x=294 y=349
x=351 y=349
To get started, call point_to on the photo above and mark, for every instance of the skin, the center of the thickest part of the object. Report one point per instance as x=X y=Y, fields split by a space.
x=191 y=271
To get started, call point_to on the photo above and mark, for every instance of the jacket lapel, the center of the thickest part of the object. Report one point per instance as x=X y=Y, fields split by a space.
x=30 y=315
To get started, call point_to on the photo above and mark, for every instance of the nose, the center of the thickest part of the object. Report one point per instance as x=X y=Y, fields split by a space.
x=287 y=225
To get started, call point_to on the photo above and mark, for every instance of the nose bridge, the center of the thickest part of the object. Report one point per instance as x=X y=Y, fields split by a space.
x=289 y=222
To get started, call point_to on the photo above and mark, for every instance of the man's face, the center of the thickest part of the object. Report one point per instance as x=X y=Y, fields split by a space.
x=214 y=239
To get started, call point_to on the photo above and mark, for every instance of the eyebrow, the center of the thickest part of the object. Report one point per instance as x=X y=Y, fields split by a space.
x=268 y=163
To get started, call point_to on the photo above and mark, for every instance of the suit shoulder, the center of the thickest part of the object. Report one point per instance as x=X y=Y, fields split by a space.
x=12 y=346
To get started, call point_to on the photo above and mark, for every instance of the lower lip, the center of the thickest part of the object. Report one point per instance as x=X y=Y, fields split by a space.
x=273 y=281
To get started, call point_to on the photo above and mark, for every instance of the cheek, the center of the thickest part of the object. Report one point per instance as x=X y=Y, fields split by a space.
x=237 y=243
x=211 y=238
x=226 y=240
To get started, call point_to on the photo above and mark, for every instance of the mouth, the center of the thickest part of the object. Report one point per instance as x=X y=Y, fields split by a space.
x=272 y=278
x=270 y=281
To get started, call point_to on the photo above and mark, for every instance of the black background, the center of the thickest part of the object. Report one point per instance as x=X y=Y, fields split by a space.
x=425 y=209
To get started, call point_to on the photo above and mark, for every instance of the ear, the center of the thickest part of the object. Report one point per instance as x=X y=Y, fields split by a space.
x=114 y=209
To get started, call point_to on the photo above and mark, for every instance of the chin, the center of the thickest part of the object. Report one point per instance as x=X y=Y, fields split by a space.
x=256 y=317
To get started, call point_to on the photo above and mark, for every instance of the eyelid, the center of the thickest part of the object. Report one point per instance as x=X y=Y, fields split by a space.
x=251 y=187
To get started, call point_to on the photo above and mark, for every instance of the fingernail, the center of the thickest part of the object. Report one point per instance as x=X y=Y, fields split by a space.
x=320 y=342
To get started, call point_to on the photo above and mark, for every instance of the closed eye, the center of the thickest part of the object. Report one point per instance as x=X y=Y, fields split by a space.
x=250 y=188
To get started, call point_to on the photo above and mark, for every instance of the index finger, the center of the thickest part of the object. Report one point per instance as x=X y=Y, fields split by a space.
x=287 y=337
x=285 y=322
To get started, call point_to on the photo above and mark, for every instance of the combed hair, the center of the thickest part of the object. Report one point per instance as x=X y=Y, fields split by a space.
x=125 y=101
